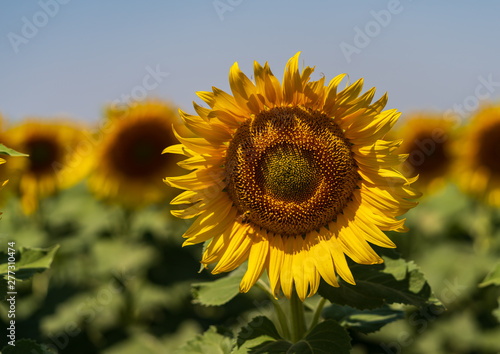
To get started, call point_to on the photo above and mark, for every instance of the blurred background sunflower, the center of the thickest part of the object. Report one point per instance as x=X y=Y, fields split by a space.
x=128 y=163
x=58 y=158
x=478 y=156
x=427 y=139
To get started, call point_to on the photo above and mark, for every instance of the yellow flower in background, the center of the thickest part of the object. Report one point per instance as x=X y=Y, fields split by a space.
x=129 y=165
x=427 y=140
x=58 y=159
x=478 y=156
x=292 y=177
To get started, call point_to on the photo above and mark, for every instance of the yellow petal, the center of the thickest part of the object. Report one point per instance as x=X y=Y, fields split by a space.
x=198 y=180
x=353 y=245
x=257 y=260
x=244 y=91
x=292 y=83
x=276 y=257
x=236 y=252
x=301 y=285
x=219 y=244
x=323 y=258
x=286 y=276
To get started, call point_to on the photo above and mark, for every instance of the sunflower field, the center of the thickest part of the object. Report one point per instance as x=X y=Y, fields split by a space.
x=291 y=211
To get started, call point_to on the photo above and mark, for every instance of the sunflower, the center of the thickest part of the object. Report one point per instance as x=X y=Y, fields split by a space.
x=292 y=177
x=129 y=162
x=58 y=159
x=427 y=141
x=478 y=156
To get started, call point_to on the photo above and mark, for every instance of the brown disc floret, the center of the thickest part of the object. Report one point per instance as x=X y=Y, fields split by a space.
x=290 y=170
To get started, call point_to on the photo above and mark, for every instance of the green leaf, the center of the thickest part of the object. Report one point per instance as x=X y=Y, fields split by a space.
x=208 y=342
x=26 y=346
x=11 y=152
x=366 y=321
x=275 y=347
x=250 y=345
x=493 y=277
x=327 y=337
x=258 y=327
x=220 y=291
x=394 y=281
x=28 y=261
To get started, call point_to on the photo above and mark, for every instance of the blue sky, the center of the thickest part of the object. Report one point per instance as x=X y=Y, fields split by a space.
x=81 y=55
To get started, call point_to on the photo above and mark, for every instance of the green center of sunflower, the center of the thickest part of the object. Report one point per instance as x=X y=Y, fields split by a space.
x=288 y=173
x=290 y=170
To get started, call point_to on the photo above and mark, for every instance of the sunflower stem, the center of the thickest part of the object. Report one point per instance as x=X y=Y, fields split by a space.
x=277 y=307
x=298 y=319
x=317 y=313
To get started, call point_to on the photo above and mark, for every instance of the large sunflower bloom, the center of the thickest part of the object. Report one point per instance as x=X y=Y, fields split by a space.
x=129 y=165
x=427 y=141
x=478 y=156
x=58 y=159
x=292 y=177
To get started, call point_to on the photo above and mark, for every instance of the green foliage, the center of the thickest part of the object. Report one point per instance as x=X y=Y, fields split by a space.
x=209 y=342
x=326 y=337
x=28 y=347
x=394 y=281
x=493 y=277
x=365 y=321
x=29 y=261
x=260 y=326
x=4 y=150
x=121 y=283
x=220 y=291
